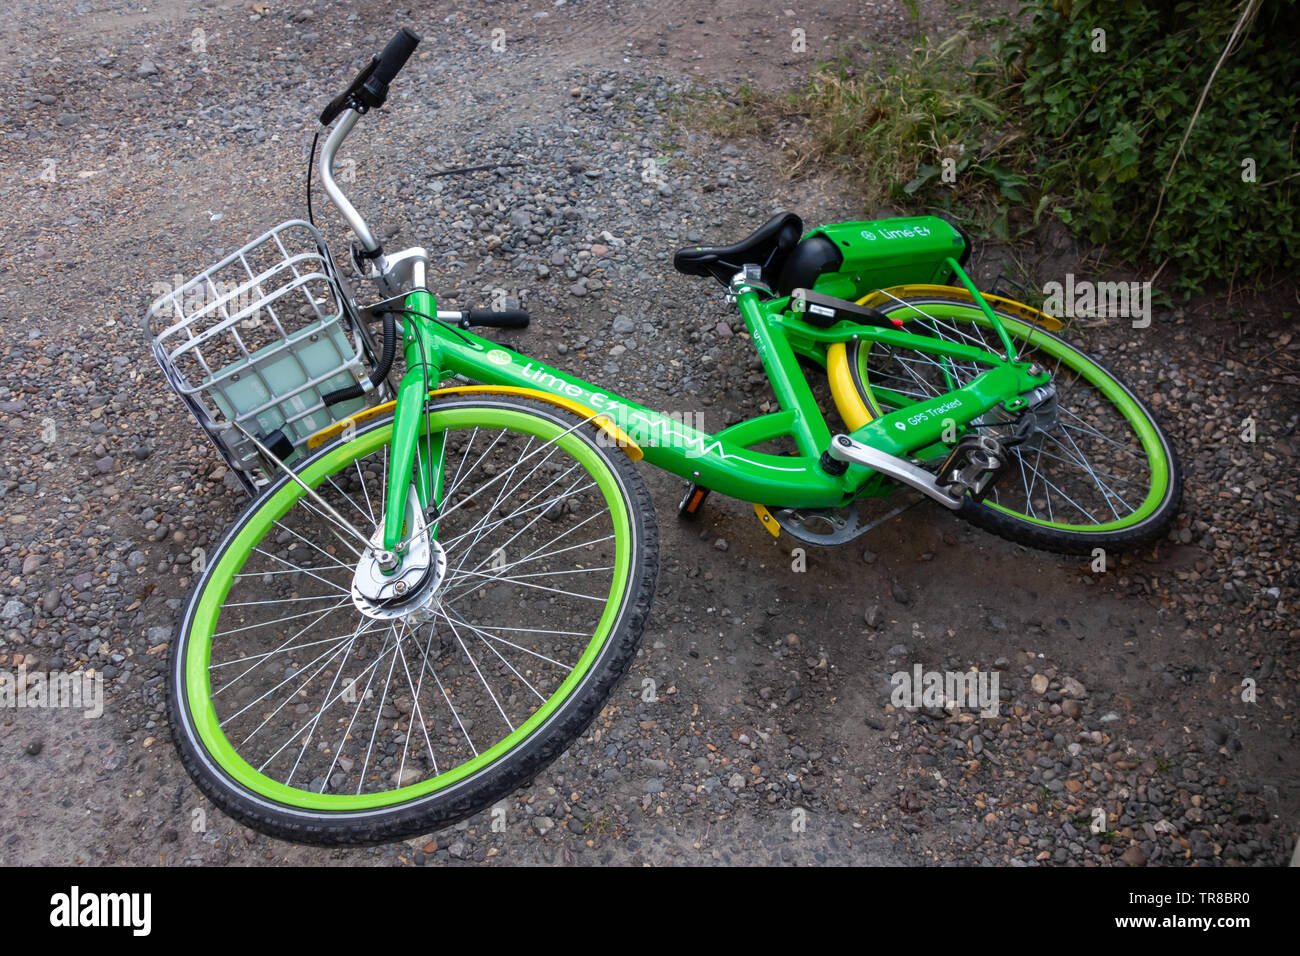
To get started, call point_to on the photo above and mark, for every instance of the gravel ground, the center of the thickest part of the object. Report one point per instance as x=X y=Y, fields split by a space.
x=129 y=155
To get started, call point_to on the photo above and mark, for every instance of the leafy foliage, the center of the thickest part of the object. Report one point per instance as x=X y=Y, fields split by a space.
x=1110 y=122
x=1079 y=111
x=916 y=130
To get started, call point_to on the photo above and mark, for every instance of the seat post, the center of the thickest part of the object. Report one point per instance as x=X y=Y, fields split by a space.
x=811 y=435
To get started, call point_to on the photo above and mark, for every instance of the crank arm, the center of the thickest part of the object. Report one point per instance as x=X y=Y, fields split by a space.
x=844 y=448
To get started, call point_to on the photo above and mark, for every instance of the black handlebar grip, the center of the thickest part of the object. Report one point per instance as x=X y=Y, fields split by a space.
x=369 y=89
x=503 y=319
x=392 y=60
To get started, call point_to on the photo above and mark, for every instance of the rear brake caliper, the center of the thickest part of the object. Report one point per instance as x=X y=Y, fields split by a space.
x=1036 y=413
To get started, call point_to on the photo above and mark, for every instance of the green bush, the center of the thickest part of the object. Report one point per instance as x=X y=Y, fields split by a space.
x=1043 y=118
x=1108 y=124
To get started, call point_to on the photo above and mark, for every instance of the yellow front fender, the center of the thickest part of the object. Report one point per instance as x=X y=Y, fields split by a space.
x=620 y=437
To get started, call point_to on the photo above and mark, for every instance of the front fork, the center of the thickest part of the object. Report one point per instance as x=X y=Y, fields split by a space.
x=413 y=444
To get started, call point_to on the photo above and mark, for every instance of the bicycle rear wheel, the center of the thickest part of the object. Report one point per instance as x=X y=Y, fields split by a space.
x=1098 y=470
x=320 y=718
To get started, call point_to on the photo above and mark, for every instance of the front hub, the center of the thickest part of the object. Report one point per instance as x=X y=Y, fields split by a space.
x=385 y=585
x=410 y=588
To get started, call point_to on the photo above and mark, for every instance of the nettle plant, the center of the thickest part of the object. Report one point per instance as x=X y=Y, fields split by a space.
x=1109 y=89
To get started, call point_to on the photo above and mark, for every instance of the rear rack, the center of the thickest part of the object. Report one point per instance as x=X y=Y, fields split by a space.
x=256 y=340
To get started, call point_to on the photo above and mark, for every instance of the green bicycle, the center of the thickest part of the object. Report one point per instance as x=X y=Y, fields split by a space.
x=438 y=584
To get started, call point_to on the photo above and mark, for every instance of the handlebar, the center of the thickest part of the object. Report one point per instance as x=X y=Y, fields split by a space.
x=500 y=319
x=348 y=96
x=369 y=89
x=497 y=319
x=391 y=61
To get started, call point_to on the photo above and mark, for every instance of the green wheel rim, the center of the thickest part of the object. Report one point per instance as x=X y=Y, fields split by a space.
x=1026 y=334
x=199 y=646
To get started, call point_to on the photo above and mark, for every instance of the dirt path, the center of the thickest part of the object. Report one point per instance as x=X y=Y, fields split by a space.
x=128 y=155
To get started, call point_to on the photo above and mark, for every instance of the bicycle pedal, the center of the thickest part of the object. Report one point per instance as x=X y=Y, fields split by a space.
x=692 y=502
x=972 y=466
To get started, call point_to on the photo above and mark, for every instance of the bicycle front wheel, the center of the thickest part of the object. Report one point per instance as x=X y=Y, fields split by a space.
x=1096 y=470
x=320 y=718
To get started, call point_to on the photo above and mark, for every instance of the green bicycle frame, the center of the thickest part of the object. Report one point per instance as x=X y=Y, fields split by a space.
x=727 y=461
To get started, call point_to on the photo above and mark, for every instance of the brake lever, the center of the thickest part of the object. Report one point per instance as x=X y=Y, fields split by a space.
x=364 y=263
x=344 y=99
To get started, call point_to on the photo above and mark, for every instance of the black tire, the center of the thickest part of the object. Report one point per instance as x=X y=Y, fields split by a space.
x=486 y=786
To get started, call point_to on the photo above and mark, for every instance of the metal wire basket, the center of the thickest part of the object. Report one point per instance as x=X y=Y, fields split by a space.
x=256 y=340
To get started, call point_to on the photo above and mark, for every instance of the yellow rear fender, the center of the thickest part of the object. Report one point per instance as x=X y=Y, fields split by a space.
x=1019 y=310
x=848 y=402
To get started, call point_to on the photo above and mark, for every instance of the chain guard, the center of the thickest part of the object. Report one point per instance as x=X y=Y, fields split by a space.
x=831 y=527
